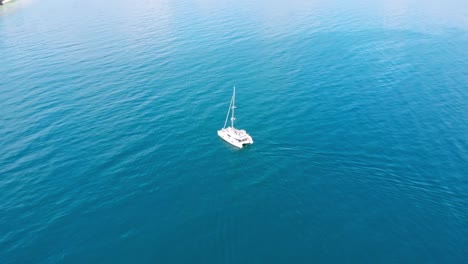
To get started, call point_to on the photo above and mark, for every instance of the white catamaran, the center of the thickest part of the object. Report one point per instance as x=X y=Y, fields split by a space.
x=235 y=137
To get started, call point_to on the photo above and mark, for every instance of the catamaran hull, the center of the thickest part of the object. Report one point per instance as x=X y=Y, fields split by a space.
x=224 y=135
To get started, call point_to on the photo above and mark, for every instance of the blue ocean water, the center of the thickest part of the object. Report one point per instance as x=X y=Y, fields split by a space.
x=109 y=112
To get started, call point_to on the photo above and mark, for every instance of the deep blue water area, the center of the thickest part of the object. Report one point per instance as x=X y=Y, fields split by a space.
x=109 y=112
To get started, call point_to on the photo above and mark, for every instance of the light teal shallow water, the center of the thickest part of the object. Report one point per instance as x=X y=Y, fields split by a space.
x=109 y=113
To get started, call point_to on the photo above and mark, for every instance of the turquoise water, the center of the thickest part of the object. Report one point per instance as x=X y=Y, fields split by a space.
x=109 y=113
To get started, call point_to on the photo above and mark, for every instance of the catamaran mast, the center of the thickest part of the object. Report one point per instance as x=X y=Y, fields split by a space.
x=233 y=106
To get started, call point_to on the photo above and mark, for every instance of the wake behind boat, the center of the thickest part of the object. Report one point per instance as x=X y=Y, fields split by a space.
x=236 y=137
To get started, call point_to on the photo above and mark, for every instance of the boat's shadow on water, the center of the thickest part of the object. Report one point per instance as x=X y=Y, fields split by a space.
x=232 y=148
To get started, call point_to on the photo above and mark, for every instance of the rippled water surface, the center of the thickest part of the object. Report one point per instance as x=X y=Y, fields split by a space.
x=109 y=112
